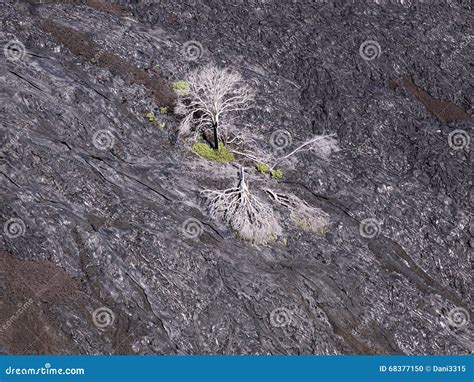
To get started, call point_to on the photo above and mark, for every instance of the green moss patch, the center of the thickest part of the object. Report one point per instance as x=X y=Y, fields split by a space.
x=221 y=155
x=262 y=168
x=150 y=117
x=181 y=87
x=277 y=174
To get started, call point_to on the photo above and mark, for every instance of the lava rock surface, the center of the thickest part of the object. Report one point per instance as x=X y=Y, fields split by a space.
x=97 y=254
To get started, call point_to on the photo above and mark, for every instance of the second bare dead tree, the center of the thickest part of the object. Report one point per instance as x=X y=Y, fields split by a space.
x=214 y=94
x=252 y=219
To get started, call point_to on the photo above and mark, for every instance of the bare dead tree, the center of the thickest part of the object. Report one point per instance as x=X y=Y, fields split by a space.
x=253 y=220
x=214 y=94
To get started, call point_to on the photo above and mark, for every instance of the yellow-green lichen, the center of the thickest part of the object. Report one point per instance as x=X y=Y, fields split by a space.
x=262 y=168
x=221 y=155
x=150 y=117
x=163 y=110
x=181 y=87
x=277 y=174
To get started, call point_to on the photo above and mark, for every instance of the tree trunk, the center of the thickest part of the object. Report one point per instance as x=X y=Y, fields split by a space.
x=216 y=138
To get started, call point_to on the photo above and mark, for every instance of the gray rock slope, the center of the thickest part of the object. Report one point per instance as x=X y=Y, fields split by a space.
x=106 y=245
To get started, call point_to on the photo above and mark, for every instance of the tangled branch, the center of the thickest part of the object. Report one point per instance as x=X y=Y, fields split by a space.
x=244 y=212
x=321 y=145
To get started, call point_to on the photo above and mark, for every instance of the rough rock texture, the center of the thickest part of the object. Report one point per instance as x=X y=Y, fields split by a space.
x=103 y=257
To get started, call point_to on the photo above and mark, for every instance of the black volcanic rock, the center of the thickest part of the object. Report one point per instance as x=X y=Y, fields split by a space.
x=97 y=255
